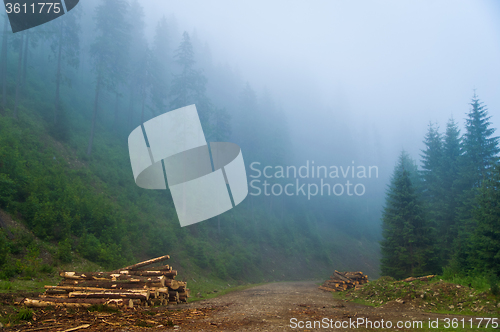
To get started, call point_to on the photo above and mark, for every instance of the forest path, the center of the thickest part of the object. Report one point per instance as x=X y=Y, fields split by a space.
x=272 y=307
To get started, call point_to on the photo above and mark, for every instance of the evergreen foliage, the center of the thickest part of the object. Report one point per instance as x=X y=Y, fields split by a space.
x=451 y=159
x=78 y=192
x=408 y=245
x=486 y=237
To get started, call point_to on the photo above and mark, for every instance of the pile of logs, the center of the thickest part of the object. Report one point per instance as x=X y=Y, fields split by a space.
x=134 y=285
x=341 y=281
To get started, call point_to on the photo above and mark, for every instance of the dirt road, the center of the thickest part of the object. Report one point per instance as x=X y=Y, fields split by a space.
x=272 y=307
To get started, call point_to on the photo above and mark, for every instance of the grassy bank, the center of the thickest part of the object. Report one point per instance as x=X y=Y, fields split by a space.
x=437 y=295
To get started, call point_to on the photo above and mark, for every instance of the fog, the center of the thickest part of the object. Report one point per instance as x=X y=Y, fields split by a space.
x=339 y=84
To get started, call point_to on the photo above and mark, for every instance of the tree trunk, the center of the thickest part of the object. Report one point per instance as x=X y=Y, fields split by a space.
x=116 y=110
x=18 y=84
x=94 y=116
x=25 y=64
x=142 y=106
x=131 y=108
x=58 y=76
x=4 y=63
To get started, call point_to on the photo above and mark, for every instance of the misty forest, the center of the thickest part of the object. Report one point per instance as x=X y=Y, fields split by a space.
x=73 y=89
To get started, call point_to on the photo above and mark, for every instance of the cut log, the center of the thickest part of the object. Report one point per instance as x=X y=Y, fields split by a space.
x=145 y=263
x=337 y=275
x=69 y=303
x=166 y=268
x=174 y=284
x=146 y=273
x=110 y=295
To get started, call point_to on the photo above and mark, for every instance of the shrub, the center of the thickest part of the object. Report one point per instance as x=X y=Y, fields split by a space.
x=25 y=314
x=64 y=251
x=7 y=190
x=4 y=248
x=493 y=281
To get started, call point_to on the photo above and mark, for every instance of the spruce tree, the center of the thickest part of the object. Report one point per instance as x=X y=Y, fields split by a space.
x=221 y=125
x=65 y=44
x=486 y=238
x=408 y=247
x=189 y=86
x=480 y=150
x=480 y=147
x=431 y=163
x=108 y=52
x=160 y=63
x=139 y=63
x=451 y=160
x=3 y=61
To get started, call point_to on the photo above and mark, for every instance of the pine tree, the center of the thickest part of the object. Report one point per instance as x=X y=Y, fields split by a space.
x=221 y=125
x=432 y=174
x=431 y=163
x=189 y=86
x=19 y=72
x=480 y=150
x=486 y=238
x=3 y=61
x=160 y=54
x=247 y=122
x=65 y=45
x=108 y=51
x=139 y=62
x=408 y=244
x=451 y=160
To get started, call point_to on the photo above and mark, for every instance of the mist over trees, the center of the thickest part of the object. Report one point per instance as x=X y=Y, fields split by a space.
x=92 y=76
x=457 y=204
x=74 y=88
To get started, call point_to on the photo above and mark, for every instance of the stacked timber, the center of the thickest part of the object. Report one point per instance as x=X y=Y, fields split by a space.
x=134 y=285
x=341 y=281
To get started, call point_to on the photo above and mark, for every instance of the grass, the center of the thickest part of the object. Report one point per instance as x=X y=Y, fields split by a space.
x=102 y=308
x=204 y=288
x=435 y=296
x=19 y=285
x=11 y=315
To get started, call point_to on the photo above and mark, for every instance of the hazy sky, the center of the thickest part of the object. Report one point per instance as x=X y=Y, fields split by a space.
x=386 y=68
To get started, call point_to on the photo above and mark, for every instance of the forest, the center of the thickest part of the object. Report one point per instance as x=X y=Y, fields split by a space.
x=444 y=218
x=74 y=88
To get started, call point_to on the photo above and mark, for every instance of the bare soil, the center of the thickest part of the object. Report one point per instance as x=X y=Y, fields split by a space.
x=268 y=307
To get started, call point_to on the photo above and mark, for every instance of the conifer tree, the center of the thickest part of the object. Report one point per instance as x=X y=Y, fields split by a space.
x=3 y=61
x=431 y=162
x=65 y=45
x=451 y=161
x=480 y=147
x=480 y=150
x=108 y=51
x=160 y=62
x=486 y=238
x=221 y=125
x=432 y=174
x=139 y=63
x=189 y=86
x=408 y=247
